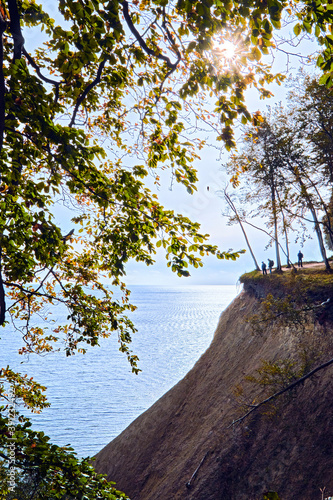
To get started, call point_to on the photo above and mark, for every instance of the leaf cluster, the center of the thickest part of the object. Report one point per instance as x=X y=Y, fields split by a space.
x=41 y=470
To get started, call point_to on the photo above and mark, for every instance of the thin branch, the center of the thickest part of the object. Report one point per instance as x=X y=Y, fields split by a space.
x=188 y=484
x=143 y=45
x=41 y=76
x=233 y=208
x=87 y=90
x=279 y=393
x=30 y=293
x=272 y=237
x=169 y=34
x=304 y=309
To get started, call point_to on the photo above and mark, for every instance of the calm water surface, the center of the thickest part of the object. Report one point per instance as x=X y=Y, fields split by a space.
x=95 y=396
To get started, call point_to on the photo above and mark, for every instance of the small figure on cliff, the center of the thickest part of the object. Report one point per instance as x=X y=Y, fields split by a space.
x=270 y=265
x=263 y=267
x=300 y=257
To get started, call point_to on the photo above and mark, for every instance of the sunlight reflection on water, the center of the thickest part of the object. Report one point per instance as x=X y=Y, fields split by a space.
x=94 y=397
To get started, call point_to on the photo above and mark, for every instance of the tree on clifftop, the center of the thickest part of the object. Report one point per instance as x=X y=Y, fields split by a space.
x=84 y=118
x=313 y=107
x=285 y=174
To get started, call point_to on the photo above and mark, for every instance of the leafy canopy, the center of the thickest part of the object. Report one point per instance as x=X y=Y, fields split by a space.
x=287 y=163
x=85 y=117
x=105 y=100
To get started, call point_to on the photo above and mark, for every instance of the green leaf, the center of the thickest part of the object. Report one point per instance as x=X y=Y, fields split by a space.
x=297 y=29
x=271 y=495
x=256 y=53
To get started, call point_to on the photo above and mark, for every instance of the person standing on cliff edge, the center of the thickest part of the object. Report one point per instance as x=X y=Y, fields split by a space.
x=300 y=257
x=263 y=267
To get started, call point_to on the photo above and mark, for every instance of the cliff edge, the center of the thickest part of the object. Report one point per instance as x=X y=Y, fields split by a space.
x=186 y=446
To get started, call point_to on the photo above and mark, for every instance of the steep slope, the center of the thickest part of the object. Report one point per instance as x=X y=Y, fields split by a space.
x=190 y=426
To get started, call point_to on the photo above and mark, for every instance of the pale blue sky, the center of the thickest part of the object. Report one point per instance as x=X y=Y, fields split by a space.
x=206 y=207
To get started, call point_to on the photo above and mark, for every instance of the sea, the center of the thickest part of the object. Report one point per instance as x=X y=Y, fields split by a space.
x=95 y=396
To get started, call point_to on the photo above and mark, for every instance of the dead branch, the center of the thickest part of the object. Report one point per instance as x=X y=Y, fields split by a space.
x=279 y=393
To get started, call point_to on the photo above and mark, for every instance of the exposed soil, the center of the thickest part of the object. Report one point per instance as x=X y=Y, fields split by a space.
x=318 y=265
x=185 y=446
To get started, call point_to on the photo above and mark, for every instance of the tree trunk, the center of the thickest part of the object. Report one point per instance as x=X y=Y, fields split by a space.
x=320 y=238
x=287 y=246
x=233 y=208
x=285 y=231
x=276 y=237
x=312 y=209
x=15 y=28
x=2 y=82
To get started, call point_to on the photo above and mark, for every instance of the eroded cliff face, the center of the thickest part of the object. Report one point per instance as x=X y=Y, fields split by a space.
x=290 y=450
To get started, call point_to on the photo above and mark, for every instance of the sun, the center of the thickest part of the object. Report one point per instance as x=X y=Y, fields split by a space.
x=225 y=50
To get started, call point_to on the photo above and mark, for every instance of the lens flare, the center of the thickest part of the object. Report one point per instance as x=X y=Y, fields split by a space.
x=227 y=49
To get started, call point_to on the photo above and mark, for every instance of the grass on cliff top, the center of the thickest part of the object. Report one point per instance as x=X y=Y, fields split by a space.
x=316 y=280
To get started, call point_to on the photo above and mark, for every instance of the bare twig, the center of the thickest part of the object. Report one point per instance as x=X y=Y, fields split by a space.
x=188 y=485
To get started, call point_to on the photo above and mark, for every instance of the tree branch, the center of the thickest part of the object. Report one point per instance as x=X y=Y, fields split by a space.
x=272 y=237
x=279 y=393
x=234 y=209
x=143 y=45
x=30 y=293
x=42 y=77
x=87 y=90
x=304 y=309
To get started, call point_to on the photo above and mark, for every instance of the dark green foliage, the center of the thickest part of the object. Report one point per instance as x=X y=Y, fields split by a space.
x=31 y=468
